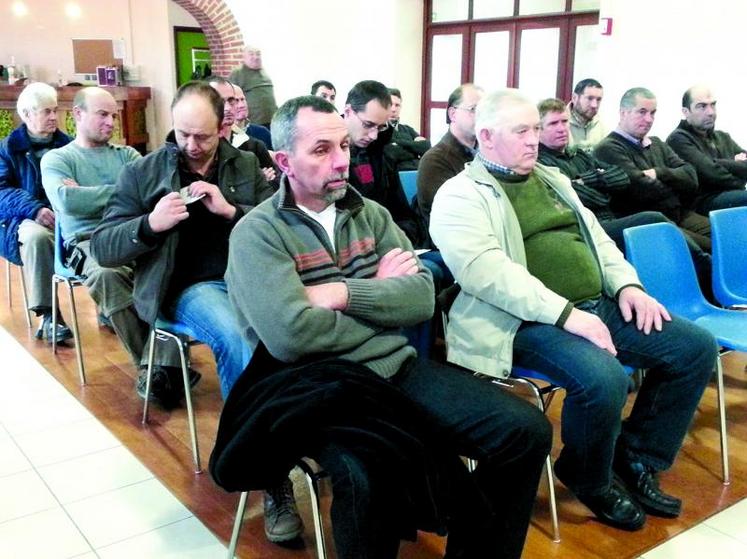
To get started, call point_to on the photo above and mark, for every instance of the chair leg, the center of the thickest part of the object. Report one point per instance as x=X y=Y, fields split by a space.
x=76 y=334
x=7 y=283
x=190 y=409
x=55 y=302
x=237 y=525
x=722 y=421
x=149 y=372
x=313 y=483
x=25 y=295
x=471 y=465
x=553 y=502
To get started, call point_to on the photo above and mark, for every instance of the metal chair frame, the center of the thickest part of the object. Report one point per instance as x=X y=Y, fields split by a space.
x=313 y=476
x=163 y=333
x=62 y=274
x=24 y=292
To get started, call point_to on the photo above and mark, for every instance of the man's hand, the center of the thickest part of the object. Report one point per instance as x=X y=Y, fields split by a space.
x=213 y=200
x=589 y=326
x=740 y=157
x=45 y=217
x=651 y=173
x=397 y=262
x=332 y=296
x=169 y=211
x=269 y=173
x=69 y=182
x=648 y=311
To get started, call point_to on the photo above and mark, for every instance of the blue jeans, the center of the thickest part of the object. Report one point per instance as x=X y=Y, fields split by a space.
x=723 y=200
x=680 y=360
x=205 y=309
x=509 y=438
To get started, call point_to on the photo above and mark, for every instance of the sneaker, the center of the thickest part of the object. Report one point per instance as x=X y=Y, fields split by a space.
x=44 y=332
x=282 y=522
x=166 y=388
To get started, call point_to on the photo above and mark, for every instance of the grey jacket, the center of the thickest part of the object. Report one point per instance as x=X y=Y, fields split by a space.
x=474 y=225
x=118 y=240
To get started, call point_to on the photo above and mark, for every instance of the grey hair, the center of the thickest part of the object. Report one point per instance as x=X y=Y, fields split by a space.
x=491 y=110
x=627 y=101
x=34 y=96
x=283 y=126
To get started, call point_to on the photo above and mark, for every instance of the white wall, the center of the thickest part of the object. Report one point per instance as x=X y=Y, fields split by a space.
x=669 y=46
x=343 y=41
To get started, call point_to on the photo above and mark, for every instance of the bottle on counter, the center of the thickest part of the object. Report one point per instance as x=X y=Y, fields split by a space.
x=11 y=70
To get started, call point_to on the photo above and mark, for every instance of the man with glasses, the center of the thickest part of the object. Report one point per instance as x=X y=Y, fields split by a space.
x=366 y=115
x=457 y=147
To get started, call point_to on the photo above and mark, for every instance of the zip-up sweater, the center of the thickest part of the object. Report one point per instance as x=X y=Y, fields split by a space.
x=276 y=250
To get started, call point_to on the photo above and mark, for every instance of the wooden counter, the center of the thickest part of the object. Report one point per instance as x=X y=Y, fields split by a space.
x=129 y=128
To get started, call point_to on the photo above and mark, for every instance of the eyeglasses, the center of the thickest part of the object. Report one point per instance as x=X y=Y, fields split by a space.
x=470 y=109
x=368 y=125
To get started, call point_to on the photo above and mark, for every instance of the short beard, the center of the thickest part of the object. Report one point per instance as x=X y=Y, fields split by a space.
x=333 y=196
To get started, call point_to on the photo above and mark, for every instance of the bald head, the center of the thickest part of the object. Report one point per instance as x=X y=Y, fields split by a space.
x=699 y=108
x=95 y=112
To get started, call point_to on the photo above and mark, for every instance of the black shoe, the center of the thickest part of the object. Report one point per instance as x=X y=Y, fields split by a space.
x=175 y=376
x=616 y=507
x=44 y=332
x=161 y=389
x=641 y=482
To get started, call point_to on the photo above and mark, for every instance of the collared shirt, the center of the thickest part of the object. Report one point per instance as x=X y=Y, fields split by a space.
x=644 y=143
x=494 y=167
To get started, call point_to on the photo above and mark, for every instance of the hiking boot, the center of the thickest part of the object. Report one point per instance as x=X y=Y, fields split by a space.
x=282 y=522
x=44 y=332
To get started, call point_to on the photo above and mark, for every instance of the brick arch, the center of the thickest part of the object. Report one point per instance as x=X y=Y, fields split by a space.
x=221 y=30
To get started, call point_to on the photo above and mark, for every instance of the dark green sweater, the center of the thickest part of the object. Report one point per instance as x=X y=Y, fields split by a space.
x=555 y=249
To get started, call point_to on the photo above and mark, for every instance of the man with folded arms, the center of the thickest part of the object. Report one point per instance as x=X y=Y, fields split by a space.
x=544 y=288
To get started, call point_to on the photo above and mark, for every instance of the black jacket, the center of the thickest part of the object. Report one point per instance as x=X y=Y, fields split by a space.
x=274 y=416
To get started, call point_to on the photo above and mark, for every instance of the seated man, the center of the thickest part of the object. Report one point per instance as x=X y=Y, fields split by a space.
x=243 y=124
x=659 y=180
x=237 y=137
x=26 y=218
x=171 y=214
x=719 y=161
x=544 y=288
x=344 y=281
x=587 y=130
x=79 y=179
x=325 y=90
x=366 y=116
x=447 y=158
x=594 y=182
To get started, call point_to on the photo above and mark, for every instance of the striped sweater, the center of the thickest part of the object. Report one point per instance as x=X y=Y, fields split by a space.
x=276 y=250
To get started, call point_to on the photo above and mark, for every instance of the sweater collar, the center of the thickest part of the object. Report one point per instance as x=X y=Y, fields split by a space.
x=19 y=140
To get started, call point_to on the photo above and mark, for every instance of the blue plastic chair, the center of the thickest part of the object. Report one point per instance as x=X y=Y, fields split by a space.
x=409 y=182
x=166 y=330
x=663 y=262
x=63 y=274
x=729 y=239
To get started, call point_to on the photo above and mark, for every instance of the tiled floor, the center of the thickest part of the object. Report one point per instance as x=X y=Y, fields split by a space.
x=68 y=488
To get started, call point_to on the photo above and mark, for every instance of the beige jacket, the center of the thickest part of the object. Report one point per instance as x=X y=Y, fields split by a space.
x=478 y=233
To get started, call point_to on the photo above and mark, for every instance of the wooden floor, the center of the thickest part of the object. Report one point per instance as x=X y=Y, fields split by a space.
x=164 y=447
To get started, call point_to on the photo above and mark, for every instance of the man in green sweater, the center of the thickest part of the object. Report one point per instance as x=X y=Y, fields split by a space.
x=256 y=85
x=79 y=179
x=344 y=281
x=544 y=288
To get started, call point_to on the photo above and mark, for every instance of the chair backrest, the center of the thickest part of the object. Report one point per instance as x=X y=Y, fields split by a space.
x=409 y=182
x=663 y=262
x=729 y=240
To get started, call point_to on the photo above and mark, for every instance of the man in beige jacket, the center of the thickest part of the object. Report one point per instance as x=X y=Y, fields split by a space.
x=544 y=288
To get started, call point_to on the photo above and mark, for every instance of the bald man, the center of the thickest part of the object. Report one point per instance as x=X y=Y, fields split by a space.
x=719 y=161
